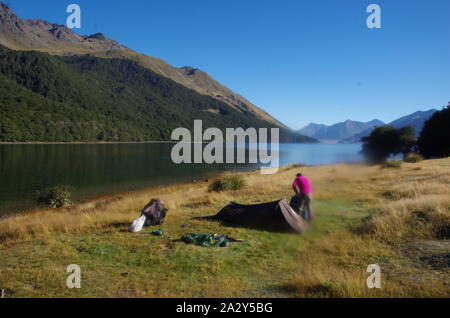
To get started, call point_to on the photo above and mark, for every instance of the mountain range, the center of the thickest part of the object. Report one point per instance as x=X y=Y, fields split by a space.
x=90 y=87
x=352 y=131
x=416 y=120
x=339 y=131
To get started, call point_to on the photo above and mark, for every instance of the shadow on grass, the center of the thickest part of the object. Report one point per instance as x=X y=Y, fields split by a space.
x=273 y=227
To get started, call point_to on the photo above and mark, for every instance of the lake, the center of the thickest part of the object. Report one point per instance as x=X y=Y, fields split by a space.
x=99 y=169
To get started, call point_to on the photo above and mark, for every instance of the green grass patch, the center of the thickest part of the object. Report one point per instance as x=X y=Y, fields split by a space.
x=117 y=264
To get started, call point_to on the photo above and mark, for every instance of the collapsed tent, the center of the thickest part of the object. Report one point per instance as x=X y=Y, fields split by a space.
x=276 y=215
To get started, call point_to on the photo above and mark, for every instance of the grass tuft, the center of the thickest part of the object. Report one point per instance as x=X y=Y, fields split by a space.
x=413 y=157
x=391 y=164
x=56 y=197
x=227 y=183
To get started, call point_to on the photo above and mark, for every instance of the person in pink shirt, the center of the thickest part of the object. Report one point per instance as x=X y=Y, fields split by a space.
x=302 y=187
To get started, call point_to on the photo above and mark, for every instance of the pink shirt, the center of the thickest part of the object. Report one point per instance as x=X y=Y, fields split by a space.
x=304 y=184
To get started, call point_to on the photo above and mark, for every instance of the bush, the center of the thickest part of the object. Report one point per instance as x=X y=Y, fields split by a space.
x=227 y=183
x=413 y=157
x=392 y=164
x=385 y=141
x=56 y=197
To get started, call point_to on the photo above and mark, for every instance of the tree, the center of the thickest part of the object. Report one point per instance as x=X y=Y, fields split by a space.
x=434 y=141
x=385 y=141
x=407 y=140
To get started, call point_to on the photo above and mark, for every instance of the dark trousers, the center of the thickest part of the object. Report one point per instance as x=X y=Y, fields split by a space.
x=305 y=205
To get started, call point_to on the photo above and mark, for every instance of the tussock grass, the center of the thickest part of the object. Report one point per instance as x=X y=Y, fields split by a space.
x=416 y=206
x=392 y=164
x=413 y=157
x=227 y=183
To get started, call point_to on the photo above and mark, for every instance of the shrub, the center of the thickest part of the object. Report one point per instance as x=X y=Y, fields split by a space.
x=56 y=197
x=385 y=141
x=413 y=157
x=392 y=164
x=227 y=183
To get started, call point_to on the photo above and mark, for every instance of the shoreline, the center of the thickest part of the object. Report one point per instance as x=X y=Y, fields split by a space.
x=84 y=142
x=120 y=194
x=132 y=142
x=123 y=194
x=201 y=180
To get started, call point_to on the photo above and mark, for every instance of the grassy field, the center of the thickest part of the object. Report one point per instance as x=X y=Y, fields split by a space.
x=398 y=218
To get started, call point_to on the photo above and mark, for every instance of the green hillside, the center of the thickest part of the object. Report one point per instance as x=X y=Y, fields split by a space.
x=39 y=35
x=86 y=98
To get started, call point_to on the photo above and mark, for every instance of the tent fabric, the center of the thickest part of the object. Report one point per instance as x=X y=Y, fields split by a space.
x=275 y=215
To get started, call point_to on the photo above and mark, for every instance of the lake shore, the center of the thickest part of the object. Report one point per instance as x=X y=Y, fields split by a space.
x=328 y=261
x=100 y=169
x=85 y=142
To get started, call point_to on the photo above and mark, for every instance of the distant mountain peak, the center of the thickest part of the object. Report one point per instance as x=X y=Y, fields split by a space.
x=4 y=9
x=338 y=131
x=60 y=31
x=376 y=122
x=317 y=125
x=416 y=120
x=7 y=16
x=98 y=36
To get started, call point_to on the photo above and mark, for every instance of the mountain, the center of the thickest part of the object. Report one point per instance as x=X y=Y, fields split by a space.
x=338 y=131
x=33 y=34
x=313 y=130
x=56 y=85
x=86 y=98
x=416 y=120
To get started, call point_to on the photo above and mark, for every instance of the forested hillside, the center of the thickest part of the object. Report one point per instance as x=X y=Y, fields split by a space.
x=86 y=98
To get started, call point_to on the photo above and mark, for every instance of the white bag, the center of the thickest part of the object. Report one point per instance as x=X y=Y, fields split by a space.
x=137 y=224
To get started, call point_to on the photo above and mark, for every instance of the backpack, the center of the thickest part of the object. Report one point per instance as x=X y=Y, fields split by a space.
x=155 y=212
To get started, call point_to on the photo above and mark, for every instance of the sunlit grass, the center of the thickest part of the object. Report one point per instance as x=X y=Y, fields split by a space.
x=363 y=212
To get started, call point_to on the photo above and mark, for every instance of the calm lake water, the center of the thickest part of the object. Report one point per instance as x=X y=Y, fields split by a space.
x=100 y=169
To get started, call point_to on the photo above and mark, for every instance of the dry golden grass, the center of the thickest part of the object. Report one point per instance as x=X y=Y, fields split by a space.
x=407 y=203
x=402 y=198
x=416 y=204
x=336 y=268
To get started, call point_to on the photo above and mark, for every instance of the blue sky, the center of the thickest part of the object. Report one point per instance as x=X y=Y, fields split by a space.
x=302 y=61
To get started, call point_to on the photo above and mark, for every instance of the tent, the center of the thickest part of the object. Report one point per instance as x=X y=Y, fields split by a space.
x=277 y=215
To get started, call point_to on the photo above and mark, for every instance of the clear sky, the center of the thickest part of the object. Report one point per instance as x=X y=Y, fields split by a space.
x=302 y=61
